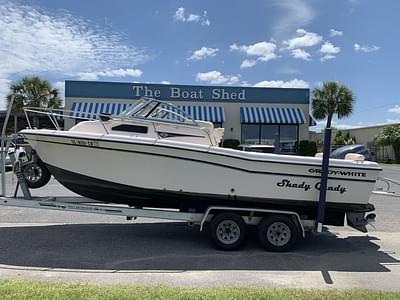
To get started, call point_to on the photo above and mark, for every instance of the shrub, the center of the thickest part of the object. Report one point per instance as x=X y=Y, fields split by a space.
x=231 y=143
x=390 y=136
x=307 y=148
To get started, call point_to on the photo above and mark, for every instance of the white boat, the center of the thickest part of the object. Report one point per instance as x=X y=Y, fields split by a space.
x=154 y=155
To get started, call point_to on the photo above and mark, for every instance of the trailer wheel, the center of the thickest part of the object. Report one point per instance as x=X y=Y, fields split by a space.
x=278 y=233
x=37 y=175
x=228 y=231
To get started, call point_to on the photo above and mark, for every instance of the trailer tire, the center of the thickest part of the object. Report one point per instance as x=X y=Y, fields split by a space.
x=37 y=175
x=278 y=233
x=228 y=231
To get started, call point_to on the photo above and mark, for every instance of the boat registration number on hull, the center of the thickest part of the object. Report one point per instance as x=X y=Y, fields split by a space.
x=85 y=143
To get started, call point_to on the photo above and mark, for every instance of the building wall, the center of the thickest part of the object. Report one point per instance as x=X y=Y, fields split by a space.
x=362 y=135
x=233 y=99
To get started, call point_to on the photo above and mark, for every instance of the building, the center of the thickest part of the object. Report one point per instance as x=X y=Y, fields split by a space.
x=248 y=114
x=362 y=135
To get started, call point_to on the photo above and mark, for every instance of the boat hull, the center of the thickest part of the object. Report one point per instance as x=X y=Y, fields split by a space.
x=111 y=192
x=145 y=172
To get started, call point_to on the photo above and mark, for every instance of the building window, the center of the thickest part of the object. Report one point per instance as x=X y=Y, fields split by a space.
x=250 y=134
x=217 y=124
x=289 y=138
x=266 y=134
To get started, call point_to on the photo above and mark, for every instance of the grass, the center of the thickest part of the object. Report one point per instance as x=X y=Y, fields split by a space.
x=17 y=289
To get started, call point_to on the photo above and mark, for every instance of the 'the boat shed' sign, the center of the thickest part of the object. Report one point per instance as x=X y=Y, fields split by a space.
x=190 y=93
x=195 y=93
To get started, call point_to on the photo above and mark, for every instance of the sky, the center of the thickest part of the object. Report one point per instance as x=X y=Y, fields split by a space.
x=269 y=43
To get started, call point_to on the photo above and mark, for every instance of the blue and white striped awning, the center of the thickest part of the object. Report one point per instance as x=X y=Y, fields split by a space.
x=272 y=115
x=93 y=109
x=214 y=114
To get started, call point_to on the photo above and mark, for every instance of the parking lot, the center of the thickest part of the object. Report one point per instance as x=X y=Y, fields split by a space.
x=52 y=245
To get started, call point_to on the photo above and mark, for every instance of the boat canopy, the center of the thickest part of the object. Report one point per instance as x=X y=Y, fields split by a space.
x=156 y=110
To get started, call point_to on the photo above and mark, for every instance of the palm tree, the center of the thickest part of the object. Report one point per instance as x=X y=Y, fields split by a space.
x=32 y=92
x=332 y=98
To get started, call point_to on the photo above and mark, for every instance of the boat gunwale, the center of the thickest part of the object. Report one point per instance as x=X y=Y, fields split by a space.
x=213 y=163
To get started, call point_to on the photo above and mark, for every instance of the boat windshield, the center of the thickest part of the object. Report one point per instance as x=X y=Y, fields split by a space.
x=157 y=110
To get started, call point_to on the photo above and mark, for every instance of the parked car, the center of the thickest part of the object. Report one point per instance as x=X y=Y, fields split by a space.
x=341 y=152
x=17 y=150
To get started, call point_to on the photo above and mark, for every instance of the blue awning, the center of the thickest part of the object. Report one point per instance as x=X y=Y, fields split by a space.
x=93 y=109
x=272 y=115
x=214 y=114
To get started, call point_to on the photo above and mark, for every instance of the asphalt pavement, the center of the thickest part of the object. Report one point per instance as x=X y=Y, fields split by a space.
x=79 y=247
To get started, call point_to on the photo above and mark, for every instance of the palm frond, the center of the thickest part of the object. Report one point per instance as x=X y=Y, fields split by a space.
x=33 y=91
x=332 y=98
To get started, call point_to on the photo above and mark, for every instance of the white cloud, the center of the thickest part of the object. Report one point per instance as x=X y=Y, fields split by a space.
x=203 y=53
x=248 y=63
x=346 y=126
x=165 y=82
x=294 y=83
x=395 y=109
x=343 y=126
x=181 y=16
x=329 y=51
x=333 y=32
x=245 y=83
x=329 y=48
x=193 y=18
x=35 y=42
x=302 y=40
x=216 y=77
x=392 y=121
x=110 y=74
x=366 y=49
x=295 y=14
x=301 y=54
x=263 y=51
x=4 y=86
x=327 y=57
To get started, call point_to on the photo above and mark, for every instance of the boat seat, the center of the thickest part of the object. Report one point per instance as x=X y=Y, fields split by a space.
x=354 y=156
x=215 y=133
